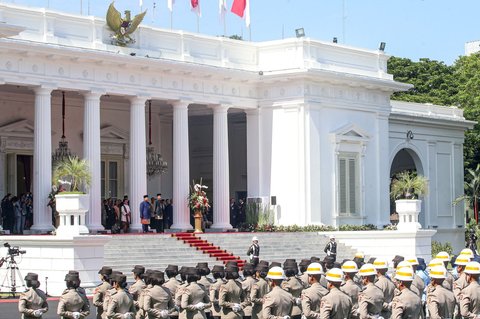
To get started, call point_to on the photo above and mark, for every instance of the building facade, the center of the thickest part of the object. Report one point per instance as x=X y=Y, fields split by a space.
x=304 y=124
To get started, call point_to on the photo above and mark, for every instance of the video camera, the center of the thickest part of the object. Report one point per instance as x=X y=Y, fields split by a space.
x=14 y=251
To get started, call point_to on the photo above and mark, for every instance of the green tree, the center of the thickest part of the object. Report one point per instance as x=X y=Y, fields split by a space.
x=472 y=190
x=74 y=170
x=434 y=81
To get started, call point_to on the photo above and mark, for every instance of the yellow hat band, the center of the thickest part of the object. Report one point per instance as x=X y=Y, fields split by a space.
x=349 y=267
x=313 y=269
x=442 y=257
x=379 y=263
x=367 y=270
x=406 y=274
x=438 y=273
x=334 y=275
x=472 y=268
x=466 y=253
x=274 y=273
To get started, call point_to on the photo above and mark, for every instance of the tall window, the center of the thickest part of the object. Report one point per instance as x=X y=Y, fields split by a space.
x=111 y=178
x=348 y=184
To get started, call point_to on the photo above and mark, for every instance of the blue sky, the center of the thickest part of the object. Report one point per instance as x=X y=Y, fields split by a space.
x=435 y=29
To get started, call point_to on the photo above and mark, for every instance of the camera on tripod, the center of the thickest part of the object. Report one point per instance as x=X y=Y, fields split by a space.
x=14 y=251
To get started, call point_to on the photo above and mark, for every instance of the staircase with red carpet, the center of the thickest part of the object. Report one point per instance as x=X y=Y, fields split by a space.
x=206 y=247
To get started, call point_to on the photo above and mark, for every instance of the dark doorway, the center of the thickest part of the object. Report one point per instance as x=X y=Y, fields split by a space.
x=24 y=173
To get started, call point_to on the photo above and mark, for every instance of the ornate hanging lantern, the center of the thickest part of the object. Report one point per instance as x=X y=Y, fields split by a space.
x=155 y=163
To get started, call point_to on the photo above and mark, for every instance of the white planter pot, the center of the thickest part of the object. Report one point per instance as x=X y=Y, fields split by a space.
x=72 y=209
x=408 y=210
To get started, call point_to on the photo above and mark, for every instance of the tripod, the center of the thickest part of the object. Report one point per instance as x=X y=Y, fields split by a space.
x=10 y=279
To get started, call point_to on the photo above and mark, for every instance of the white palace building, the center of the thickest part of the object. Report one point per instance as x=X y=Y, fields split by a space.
x=307 y=122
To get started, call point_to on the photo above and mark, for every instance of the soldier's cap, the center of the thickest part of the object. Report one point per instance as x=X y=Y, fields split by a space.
x=248 y=266
x=157 y=275
x=334 y=275
x=289 y=260
x=231 y=262
x=404 y=274
x=398 y=259
x=467 y=252
x=105 y=270
x=202 y=265
x=438 y=272
x=74 y=272
x=119 y=278
x=380 y=263
x=183 y=270
x=413 y=261
x=314 y=269
x=172 y=268
x=254 y=238
x=367 y=270
x=138 y=270
x=191 y=271
x=304 y=262
x=329 y=259
x=275 y=264
x=149 y=272
x=359 y=254
x=231 y=268
x=443 y=255
x=276 y=272
x=371 y=260
x=263 y=262
x=145 y=196
x=218 y=269
x=70 y=277
x=314 y=259
x=31 y=276
x=116 y=272
x=260 y=268
x=404 y=264
x=437 y=262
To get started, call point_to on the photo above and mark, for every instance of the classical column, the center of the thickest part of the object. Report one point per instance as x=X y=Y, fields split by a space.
x=92 y=153
x=42 y=157
x=253 y=153
x=221 y=177
x=3 y=163
x=138 y=159
x=181 y=167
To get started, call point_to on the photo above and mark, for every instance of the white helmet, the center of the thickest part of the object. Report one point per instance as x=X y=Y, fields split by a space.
x=443 y=255
x=367 y=270
x=472 y=268
x=467 y=252
x=412 y=260
x=380 y=263
x=462 y=260
x=334 y=275
x=404 y=274
x=314 y=269
x=438 y=272
x=276 y=273
x=435 y=262
x=255 y=238
x=404 y=264
x=349 y=266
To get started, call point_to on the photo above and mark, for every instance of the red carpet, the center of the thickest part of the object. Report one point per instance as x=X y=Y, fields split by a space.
x=208 y=248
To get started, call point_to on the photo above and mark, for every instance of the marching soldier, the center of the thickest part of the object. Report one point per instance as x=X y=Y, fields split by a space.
x=277 y=303
x=33 y=302
x=158 y=302
x=383 y=282
x=121 y=301
x=331 y=248
x=311 y=296
x=350 y=287
x=303 y=265
x=204 y=271
x=336 y=304
x=294 y=286
x=108 y=293
x=180 y=290
x=72 y=304
x=406 y=264
x=445 y=257
x=406 y=303
x=194 y=297
x=470 y=295
x=147 y=279
x=259 y=290
x=417 y=281
x=247 y=284
x=440 y=301
x=172 y=285
x=218 y=273
x=138 y=285
x=371 y=299
x=101 y=289
x=231 y=296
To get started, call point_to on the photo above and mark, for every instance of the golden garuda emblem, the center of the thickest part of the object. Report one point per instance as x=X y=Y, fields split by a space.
x=122 y=27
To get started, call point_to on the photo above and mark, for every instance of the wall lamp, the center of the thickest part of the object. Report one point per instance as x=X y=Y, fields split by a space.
x=300 y=32
x=382 y=46
x=410 y=135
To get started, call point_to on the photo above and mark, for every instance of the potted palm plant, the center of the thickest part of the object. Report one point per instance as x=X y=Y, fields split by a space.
x=72 y=204
x=406 y=188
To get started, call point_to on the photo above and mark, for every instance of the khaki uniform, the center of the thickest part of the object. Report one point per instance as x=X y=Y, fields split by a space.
x=98 y=297
x=136 y=289
x=352 y=290
x=419 y=283
x=448 y=283
x=440 y=302
x=72 y=301
x=259 y=290
x=304 y=279
x=232 y=293
x=470 y=300
x=277 y=304
x=141 y=313
x=178 y=300
x=31 y=300
x=206 y=283
x=406 y=305
x=247 y=285
x=157 y=298
x=459 y=285
x=370 y=301
x=214 y=294
x=172 y=285
x=295 y=287
x=311 y=298
x=387 y=287
x=192 y=294
x=335 y=305
x=121 y=302
x=106 y=301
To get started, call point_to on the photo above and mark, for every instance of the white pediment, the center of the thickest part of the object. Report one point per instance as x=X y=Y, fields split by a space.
x=351 y=131
x=114 y=134
x=21 y=128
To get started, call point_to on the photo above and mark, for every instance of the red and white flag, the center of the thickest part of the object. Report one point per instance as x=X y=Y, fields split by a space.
x=196 y=7
x=222 y=9
x=242 y=9
x=170 y=4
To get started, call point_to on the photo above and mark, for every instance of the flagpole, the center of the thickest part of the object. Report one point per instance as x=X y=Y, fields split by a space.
x=81 y=7
x=198 y=23
x=224 y=27
x=171 y=20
